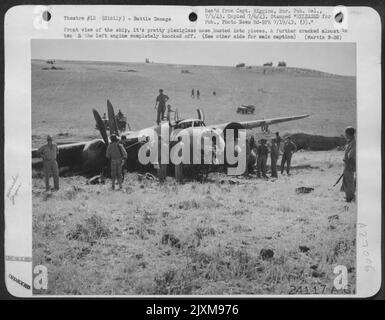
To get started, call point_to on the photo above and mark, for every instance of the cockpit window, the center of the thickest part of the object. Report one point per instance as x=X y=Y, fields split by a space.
x=188 y=124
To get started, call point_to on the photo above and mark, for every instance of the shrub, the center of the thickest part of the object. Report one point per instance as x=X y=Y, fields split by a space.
x=92 y=230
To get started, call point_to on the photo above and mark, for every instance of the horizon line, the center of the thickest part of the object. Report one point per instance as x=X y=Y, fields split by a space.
x=197 y=65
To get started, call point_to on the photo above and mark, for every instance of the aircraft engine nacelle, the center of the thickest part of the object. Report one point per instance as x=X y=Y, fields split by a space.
x=94 y=155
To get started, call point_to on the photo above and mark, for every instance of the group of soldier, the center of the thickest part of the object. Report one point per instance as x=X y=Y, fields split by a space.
x=258 y=154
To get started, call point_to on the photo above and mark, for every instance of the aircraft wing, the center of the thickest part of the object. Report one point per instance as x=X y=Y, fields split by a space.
x=69 y=154
x=258 y=123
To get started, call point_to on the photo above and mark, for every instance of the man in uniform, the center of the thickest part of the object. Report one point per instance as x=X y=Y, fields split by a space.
x=348 y=181
x=251 y=155
x=289 y=148
x=117 y=156
x=262 y=154
x=274 y=153
x=198 y=94
x=49 y=153
x=278 y=140
x=123 y=140
x=160 y=101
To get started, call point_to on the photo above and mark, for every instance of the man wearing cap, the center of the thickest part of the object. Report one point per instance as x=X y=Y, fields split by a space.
x=289 y=148
x=348 y=181
x=117 y=156
x=262 y=154
x=160 y=101
x=49 y=153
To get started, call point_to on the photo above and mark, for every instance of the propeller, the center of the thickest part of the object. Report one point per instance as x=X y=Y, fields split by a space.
x=100 y=125
x=111 y=119
x=201 y=115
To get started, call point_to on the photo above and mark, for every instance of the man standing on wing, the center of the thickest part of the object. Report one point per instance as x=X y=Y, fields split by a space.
x=348 y=181
x=289 y=148
x=160 y=101
x=117 y=156
x=49 y=153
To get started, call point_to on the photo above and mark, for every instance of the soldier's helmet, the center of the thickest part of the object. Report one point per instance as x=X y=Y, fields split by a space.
x=49 y=138
x=113 y=138
x=350 y=131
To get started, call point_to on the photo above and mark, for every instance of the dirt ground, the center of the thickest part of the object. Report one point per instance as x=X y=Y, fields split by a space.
x=230 y=235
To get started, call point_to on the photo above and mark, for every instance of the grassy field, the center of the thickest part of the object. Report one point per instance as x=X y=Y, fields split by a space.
x=229 y=235
x=210 y=238
x=79 y=87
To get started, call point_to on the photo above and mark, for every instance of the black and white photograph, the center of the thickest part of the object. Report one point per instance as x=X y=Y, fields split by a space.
x=194 y=168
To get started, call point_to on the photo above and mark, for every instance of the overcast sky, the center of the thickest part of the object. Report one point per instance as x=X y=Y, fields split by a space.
x=338 y=58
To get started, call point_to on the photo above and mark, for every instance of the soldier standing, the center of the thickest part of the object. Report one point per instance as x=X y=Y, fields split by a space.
x=123 y=141
x=117 y=156
x=192 y=93
x=49 y=153
x=160 y=101
x=278 y=140
x=274 y=153
x=289 y=148
x=348 y=181
x=198 y=94
x=262 y=154
x=178 y=166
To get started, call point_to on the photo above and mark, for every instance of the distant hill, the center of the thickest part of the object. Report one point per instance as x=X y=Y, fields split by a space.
x=292 y=71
